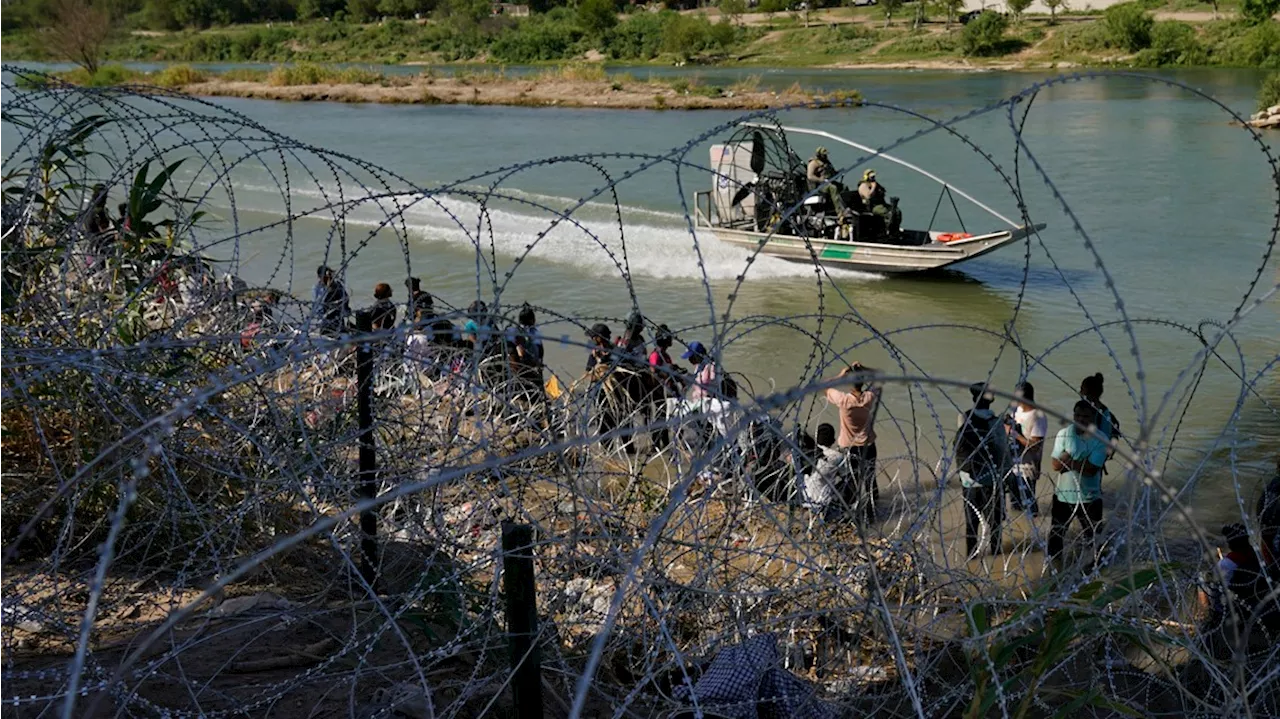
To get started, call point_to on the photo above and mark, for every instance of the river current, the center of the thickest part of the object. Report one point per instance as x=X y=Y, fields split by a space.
x=1177 y=204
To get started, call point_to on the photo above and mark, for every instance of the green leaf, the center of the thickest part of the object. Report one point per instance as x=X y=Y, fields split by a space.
x=1135 y=582
x=979 y=621
x=1074 y=705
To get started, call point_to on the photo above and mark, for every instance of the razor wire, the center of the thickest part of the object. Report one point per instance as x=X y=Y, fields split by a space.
x=182 y=486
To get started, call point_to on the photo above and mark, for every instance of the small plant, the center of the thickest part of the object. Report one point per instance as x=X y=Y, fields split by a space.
x=680 y=85
x=1021 y=651
x=748 y=84
x=660 y=102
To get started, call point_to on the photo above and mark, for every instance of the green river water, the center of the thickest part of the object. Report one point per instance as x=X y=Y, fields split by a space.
x=1178 y=204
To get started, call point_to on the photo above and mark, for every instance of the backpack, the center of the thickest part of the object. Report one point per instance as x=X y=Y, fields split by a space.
x=975 y=452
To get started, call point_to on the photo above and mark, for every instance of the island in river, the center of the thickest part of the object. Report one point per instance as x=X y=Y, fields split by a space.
x=576 y=85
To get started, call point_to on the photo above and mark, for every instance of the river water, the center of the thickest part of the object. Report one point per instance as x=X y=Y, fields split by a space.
x=1177 y=204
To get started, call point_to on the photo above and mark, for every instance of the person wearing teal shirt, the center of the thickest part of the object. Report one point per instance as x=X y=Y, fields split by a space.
x=1078 y=456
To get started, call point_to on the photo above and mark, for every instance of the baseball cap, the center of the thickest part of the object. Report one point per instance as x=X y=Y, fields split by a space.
x=695 y=348
x=979 y=390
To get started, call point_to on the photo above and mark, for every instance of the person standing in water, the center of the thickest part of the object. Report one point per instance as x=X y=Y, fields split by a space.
x=383 y=311
x=982 y=453
x=1078 y=457
x=857 y=410
x=1028 y=431
x=1108 y=425
x=332 y=304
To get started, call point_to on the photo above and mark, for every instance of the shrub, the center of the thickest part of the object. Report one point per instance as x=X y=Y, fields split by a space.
x=597 y=16
x=538 y=39
x=1269 y=93
x=686 y=35
x=983 y=35
x=1173 y=43
x=925 y=43
x=639 y=37
x=1128 y=26
x=1259 y=46
x=304 y=73
x=106 y=76
x=1257 y=12
x=177 y=76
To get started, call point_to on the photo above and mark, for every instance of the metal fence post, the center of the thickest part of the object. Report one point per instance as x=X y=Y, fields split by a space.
x=368 y=475
x=522 y=619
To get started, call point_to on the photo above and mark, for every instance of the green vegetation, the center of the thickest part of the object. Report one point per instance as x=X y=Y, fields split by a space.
x=469 y=31
x=984 y=35
x=1269 y=93
x=1128 y=26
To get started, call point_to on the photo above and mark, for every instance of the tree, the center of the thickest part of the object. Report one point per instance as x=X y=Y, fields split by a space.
x=921 y=14
x=733 y=9
x=1053 y=6
x=1128 y=26
x=984 y=34
x=158 y=15
x=951 y=7
x=596 y=17
x=362 y=10
x=1256 y=12
x=79 y=32
x=312 y=9
x=890 y=7
x=1017 y=7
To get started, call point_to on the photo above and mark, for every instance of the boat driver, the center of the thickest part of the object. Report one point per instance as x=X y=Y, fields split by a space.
x=819 y=171
x=873 y=197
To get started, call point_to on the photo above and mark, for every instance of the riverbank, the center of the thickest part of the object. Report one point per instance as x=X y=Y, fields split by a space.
x=575 y=86
x=1126 y=35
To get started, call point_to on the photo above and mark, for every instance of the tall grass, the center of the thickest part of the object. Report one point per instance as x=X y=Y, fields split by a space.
x=575 y=72
x=178 y=76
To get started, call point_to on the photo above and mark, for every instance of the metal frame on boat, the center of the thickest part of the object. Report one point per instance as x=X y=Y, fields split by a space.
x=755 y=204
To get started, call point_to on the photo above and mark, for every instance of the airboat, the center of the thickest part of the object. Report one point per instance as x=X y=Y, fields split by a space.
x=761 y=200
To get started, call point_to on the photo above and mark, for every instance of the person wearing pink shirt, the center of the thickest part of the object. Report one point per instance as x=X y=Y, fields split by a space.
x=857 y=410
x=706 y=382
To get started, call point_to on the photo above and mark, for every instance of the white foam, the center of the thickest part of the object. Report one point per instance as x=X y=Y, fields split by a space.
x=662 y=246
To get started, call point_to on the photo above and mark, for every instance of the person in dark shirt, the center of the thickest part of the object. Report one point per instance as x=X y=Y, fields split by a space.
x=631 y=341
x=332 y=302
x=526 y=351
x=599 y=339
x=384 y=311
x=419 y=299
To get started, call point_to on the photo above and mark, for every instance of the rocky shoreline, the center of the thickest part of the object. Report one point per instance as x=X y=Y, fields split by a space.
x=1267 y=118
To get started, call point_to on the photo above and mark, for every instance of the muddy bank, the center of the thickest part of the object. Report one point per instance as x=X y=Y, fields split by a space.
x=522 y=92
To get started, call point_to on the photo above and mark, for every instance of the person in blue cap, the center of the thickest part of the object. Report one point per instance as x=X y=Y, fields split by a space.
x=706 y=381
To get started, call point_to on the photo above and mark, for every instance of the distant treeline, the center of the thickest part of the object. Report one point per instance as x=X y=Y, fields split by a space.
x=201 y=14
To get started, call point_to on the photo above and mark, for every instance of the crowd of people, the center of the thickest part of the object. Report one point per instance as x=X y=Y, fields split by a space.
x=998 y=456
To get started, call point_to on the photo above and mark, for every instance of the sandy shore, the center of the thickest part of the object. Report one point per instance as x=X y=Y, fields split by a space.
x=532 y=92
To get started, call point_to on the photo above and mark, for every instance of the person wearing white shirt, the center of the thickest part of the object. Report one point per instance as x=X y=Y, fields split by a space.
x=1027 y=433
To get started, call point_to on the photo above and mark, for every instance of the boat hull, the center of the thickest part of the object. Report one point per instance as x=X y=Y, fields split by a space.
x=872 y=256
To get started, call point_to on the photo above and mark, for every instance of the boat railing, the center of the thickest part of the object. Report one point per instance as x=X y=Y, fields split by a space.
x=702 y=209
x=705 y=214
x=948 y=187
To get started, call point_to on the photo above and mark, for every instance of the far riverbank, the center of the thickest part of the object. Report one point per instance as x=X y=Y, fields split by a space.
x=571 y=86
